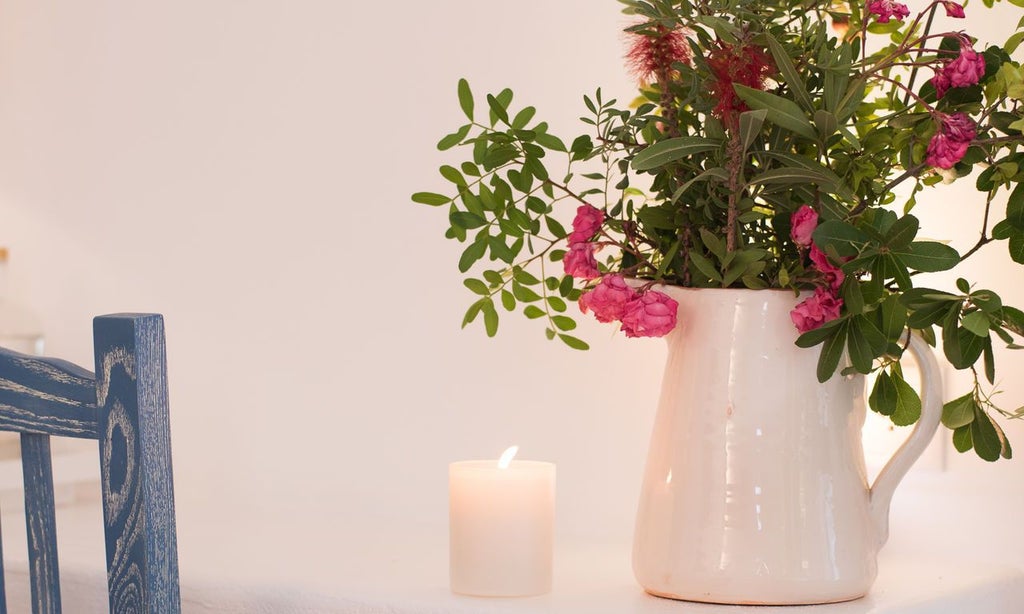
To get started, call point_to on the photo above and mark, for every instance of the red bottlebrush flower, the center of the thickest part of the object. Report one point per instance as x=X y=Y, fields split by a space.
x=651 y=54
x=950 y=143
x=744 y=64
x=887 y=9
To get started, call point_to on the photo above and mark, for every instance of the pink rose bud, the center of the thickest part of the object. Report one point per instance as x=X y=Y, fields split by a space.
x=652 y=314
x=608 y=299
x=579 y=261
x=833 y=275
x=586 y=224
x=816 y=310
x=953 y=9
x=803 y=222
x=887 y=9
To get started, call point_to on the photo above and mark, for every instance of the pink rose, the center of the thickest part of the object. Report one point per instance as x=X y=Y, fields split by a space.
x=959 y=127
x=941 y=84
x=887 y=9
x=803 y=222
x=608 y=299
x=816 y=310
x=944 y=152
x=833 y=275
x=953 y=9
x=585 y=225
x=652 y=314
x=967 y=69
x=951 y=141
x=579 y=261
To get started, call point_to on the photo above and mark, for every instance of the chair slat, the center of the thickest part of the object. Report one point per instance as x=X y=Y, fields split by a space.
x=41 y=523
x=135 y=462
x=46 y=396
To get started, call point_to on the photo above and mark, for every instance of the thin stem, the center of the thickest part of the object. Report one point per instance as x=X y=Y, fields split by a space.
x=984 y=229
x=910 y=172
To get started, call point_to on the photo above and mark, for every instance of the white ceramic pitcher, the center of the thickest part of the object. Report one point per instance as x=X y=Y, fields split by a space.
x=755 y=489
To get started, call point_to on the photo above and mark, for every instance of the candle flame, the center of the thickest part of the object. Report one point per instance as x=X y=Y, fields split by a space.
x=506 y=457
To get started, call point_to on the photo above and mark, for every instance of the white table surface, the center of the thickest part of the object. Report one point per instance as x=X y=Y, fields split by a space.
x=956 y=548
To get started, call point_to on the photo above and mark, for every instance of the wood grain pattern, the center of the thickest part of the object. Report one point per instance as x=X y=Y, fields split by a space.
x=46 y=396
x=125 y=408
x=135 y=462
x=41 y=524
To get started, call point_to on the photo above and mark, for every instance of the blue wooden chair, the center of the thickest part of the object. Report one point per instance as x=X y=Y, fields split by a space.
x=124 y=407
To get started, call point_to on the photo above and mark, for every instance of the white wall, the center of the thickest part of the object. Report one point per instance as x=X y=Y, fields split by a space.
x=244 y=167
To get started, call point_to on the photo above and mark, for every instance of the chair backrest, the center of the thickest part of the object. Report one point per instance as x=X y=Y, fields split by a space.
x=124 y=407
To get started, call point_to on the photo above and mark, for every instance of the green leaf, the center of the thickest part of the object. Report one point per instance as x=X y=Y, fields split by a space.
x=962 y=439
x=816 y=335
x=894 y=317
x=1002 y=231
x=470 y=255
x=573 y=342
x=853 y=298
x=454 y=138
x=845 y=238
x=465 y=219
x=831 y=353
x=908 y=404
x=563 y=322
x=466 y=98
x=826 y=124
x=882 y=399
x=859 y=349
x=497 y=110
x=1013 y=319
x=983 y=433
x=959 y=412
x=976 y=322
x=902 y=232
x=1015 y=207
x=524 y=294
x=507 y=300
x=705 y=266
x=988 y=301
x=664 y=152
x=476 y=286
x=782 y=112
x=928 y=256
x=790 y=74
x=472 y=312
x=1017 y=246
x=750 y=126
x=430 y=198
x=523 y=117
x=533 y=312
x=713 y=242
x=990 y=361
x=490 y=317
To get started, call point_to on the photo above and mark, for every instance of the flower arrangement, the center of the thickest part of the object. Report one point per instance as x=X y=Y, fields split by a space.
x=765 y=150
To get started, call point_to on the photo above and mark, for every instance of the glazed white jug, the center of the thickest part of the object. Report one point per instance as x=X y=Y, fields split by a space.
x=755 y=489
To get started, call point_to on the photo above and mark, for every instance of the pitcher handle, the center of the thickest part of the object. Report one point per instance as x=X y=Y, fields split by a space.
x=897 y=467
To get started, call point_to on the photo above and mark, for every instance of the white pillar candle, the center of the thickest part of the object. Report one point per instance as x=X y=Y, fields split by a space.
x=501 y=527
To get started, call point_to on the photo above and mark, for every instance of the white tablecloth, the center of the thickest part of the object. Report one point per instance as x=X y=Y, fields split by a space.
x=956 y=548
